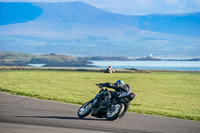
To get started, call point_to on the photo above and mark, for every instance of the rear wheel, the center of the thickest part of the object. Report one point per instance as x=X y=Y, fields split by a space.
x=85 y=110
x=115 y=111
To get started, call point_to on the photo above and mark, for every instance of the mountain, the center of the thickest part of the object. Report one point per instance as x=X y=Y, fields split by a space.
x=179 y=24
x=77 y=28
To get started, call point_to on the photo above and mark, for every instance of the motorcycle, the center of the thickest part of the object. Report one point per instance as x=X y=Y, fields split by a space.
x=117 y=109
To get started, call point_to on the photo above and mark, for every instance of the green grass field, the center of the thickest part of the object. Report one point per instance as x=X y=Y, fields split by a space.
x=159 y=93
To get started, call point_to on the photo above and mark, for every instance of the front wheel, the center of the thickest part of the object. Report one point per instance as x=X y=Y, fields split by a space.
x=85 y=110
x=115 y=111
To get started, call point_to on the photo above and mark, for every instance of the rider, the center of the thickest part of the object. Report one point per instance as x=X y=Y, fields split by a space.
x=109 y=70
x=119 y=88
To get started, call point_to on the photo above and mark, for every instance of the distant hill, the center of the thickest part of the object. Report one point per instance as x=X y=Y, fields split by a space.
x=49 y=60
x=76 y=28
x=179 y=24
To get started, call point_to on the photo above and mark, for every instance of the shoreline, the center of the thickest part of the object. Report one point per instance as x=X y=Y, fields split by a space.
x=89 y=70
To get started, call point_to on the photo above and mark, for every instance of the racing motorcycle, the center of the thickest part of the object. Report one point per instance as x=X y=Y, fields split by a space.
x=117 y=109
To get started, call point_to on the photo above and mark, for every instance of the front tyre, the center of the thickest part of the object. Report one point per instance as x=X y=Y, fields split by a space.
x=115 y=111
x=85 y=110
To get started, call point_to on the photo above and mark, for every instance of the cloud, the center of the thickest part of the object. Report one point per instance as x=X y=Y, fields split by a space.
x=136 y=7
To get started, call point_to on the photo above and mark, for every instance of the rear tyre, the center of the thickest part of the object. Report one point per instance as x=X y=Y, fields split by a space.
x=115 y=111
x=85 y=110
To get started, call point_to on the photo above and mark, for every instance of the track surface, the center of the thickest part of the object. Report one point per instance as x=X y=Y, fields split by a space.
x=28 y=115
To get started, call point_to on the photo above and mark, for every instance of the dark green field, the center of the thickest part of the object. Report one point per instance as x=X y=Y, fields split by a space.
x=167 y=94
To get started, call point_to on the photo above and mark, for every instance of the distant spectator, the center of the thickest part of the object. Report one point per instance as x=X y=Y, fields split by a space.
x=109 y=70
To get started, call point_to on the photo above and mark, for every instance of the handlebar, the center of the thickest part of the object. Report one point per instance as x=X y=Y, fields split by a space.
x=101 y=87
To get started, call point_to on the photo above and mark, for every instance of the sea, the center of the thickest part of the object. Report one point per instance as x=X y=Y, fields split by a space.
x=150 y=65
x=143 y=65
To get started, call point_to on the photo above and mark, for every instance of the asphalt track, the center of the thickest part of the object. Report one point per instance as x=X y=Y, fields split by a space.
x=28 y=115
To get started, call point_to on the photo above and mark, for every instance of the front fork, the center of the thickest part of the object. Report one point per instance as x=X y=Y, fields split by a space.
x=94 y=102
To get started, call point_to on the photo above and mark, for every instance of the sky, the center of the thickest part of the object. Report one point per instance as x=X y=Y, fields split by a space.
x=136 y=7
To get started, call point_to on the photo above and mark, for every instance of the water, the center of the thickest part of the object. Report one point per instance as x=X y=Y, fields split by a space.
x=36 y=65
x=151 y=65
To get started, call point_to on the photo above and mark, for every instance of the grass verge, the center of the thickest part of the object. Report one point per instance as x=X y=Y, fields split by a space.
x=167 y=94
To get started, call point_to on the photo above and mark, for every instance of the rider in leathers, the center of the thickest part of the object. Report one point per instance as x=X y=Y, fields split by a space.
x=119 y=88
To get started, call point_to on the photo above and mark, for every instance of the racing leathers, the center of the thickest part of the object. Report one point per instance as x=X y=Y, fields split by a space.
x=119 y=88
